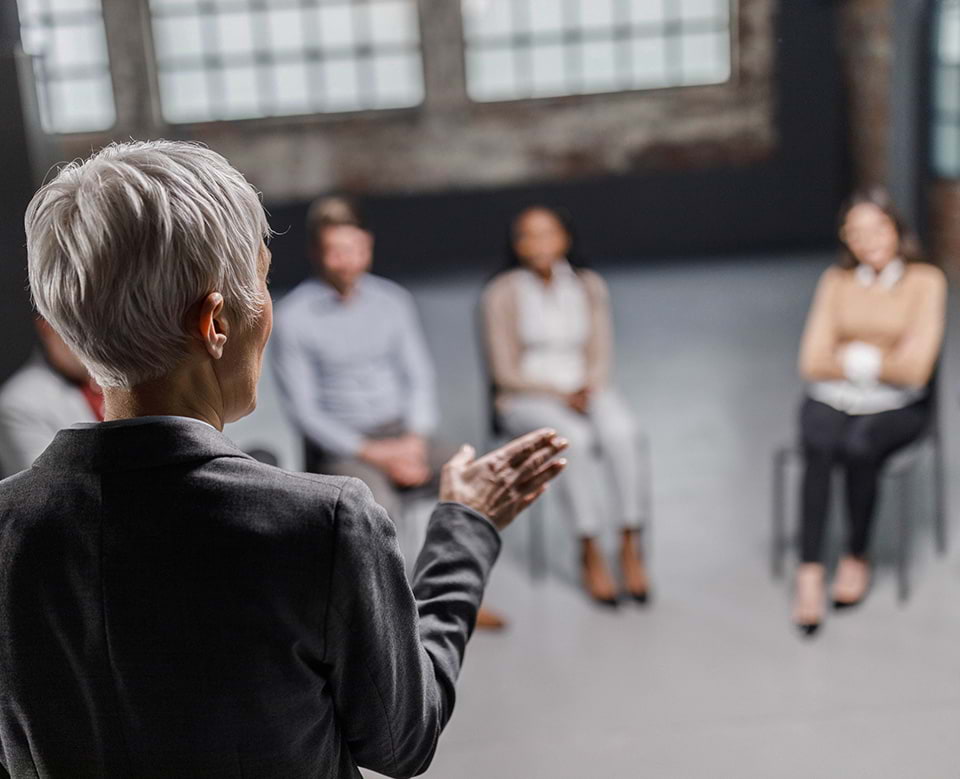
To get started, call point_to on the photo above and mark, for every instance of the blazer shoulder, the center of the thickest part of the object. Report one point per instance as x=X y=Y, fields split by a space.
x=291 y=493
x=347 y=495
x=359 y=518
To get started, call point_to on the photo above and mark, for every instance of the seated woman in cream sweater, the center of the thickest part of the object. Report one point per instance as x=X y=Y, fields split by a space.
x=549 y=340
x=871 y=342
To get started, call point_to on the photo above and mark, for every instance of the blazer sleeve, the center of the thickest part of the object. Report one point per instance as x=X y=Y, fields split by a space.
x=600 y=343
x=818 y=349
x=504 y=349
x=911 y=361
x=394 y=653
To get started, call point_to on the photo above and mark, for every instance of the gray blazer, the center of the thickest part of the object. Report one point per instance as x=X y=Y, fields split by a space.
x=170 y=607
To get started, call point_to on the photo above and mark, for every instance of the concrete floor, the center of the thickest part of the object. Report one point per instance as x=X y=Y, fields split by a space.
x=710 y=681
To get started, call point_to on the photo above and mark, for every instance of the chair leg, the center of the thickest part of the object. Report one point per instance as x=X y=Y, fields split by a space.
x=646 y=473
x=779 y=540
x=537 y=551
x=903 y=547
x=940 y=497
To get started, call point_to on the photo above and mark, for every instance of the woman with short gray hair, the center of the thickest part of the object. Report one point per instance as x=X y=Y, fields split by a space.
x=171 y=606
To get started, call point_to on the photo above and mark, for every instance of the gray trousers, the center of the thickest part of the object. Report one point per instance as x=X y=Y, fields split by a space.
x=609 y=430
x=385 y=492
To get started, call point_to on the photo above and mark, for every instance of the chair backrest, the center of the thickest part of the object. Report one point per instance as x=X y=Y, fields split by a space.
x=494 y=425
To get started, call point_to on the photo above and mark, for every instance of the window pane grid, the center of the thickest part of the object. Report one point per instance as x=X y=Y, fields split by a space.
x=71 y=65
x=946 y=92
x=520 y=49
x=285 y=57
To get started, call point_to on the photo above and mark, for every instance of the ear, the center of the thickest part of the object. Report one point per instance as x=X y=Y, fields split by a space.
x=212 y=326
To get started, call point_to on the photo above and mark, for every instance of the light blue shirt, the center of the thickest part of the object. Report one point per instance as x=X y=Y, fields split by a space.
x=347 y=367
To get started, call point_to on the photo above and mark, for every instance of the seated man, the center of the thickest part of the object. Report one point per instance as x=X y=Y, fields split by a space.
x=353 y=368
x=51 y=391
x=171 y=606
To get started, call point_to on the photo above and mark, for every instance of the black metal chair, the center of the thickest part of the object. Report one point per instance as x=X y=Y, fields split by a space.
x=900 y=473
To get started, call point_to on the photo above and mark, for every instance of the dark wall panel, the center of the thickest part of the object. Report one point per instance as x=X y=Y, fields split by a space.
x=16 y=322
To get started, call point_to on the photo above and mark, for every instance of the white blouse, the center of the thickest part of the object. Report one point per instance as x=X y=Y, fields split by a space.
x=554 y=328
x=861 y=391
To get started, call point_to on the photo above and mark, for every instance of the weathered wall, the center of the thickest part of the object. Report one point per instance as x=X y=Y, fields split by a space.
x=945 y=223
x=866 y=47
x=450 y=142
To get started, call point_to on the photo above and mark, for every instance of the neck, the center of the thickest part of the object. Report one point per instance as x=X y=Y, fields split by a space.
x=183 y=394
x=545 y=274
x=344 y=291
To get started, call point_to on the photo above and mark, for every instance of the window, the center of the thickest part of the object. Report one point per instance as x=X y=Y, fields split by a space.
x=240 y=59
x=946 y=121
x=72 y=69
x=540 y=48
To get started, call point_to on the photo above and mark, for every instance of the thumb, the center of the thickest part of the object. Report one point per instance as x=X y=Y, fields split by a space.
x=463 y=457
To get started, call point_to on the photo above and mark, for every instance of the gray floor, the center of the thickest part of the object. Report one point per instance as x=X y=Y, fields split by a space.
x=710 y=681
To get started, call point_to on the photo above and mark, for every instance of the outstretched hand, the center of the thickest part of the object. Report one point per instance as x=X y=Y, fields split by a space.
x=504 y=482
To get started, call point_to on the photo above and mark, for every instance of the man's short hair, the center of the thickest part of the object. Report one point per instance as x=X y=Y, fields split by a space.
x=121 y=245
x=331 y=211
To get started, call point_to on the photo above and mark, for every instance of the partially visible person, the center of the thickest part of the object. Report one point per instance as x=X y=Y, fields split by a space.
x=51 y=391
x=549 y=338
x=869 y=351
x=171 y=606
x=353 y=368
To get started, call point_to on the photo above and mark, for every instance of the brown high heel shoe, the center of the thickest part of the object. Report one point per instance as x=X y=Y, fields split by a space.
x=633 y=568
x=596 y=577
x=488 y=619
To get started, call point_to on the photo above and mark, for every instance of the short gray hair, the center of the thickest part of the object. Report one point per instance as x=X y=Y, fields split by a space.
x=122 y=244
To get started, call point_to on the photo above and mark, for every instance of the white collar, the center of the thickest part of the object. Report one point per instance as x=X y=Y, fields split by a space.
x=131 y=421
x=562 y=269
x=887 y=278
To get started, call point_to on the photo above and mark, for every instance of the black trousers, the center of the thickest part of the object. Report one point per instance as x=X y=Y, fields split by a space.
x=860 y=444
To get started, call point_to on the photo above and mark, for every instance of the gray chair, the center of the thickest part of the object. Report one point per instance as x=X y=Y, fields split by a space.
x=901 y=474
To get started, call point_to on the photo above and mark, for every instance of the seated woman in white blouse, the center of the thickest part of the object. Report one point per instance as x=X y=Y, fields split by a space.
x=869 y=350
x=549 y=340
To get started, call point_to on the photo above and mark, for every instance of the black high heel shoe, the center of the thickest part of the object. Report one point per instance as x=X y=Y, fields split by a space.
x=841 y=605
x=643 y=598
x=808 y=629
x=607 y=603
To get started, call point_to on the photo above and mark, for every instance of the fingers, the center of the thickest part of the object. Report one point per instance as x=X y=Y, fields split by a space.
x=462 y=458
x=540 y=477
x=535 y=482
x=540 y=457
x=518 y=450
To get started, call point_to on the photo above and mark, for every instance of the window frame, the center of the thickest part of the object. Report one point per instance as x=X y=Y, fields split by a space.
x=135 y=80
x=261 y=60
x=732 y=80
x=50 y=20
x=941 y=119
